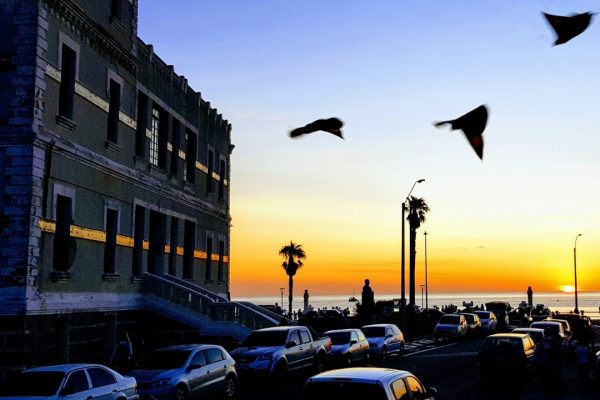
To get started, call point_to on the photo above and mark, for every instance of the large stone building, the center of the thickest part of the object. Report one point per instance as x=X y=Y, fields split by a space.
x=114 y=181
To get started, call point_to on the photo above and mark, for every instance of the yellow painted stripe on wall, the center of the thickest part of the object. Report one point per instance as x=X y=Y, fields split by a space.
x=96 y=235
x=124 y=241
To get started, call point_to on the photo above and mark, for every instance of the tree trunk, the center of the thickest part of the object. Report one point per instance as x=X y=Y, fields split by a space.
x=412 y=261
x=291 y=296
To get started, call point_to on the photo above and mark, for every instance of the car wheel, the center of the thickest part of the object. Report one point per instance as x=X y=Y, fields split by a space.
x=279 y=373
x=230 y=387
x=367 y=358
x=180 y=393
x=384 y=353
x=319 y=363
x=348 y=360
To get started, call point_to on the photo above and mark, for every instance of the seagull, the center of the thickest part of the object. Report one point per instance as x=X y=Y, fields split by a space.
x=472 y=124
x=331 y=125
x=566 y=28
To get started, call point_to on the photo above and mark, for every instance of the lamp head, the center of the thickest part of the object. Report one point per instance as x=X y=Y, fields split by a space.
x=421 y=180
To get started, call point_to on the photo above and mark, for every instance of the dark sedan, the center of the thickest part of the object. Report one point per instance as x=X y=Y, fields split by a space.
x=506 y=353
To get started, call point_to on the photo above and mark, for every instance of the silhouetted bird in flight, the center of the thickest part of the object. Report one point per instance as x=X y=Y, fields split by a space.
x=567 y=28
x=331 y=125
x=472 y=124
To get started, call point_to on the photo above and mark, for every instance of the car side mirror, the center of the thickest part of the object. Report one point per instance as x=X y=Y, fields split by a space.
x=68 y=390
x=431 y=392
x=291 y=343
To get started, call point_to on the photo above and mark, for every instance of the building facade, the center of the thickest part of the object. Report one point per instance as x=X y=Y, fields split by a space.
x=111 y=167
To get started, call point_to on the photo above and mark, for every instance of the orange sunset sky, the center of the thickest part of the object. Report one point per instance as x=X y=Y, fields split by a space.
x=388 y=70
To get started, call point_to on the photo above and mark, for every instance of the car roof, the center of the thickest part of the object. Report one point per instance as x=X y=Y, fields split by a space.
x=278 y=328
x=62 y=367
x=508 y=335
x=186 y=347
x=340 y=330
x=362 y=374
x=539 y=330
x=546 y=322
x=376 y=326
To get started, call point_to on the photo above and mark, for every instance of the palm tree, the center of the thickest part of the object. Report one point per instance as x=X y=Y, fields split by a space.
x=293 y=254
x=417 y=208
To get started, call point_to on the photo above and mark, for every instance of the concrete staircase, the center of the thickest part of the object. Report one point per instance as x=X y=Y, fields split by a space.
x=211 y=314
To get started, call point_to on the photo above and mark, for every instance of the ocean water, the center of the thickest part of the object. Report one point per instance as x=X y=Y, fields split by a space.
x=588 y=301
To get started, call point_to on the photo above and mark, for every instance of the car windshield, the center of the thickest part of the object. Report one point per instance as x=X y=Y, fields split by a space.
x=164 y=359
x=374 y=331
x=483 y=314
x=339 y=337
x=38 y=383
x=555 y=328
x=343 y=389
x=450 y=319
x=265 y=338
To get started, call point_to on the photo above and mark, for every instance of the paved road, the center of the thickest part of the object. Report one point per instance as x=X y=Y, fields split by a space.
x=450 y=368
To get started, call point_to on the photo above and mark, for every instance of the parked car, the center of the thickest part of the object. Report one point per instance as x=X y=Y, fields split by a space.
x=450 y=326
x=186 y=371
x=473 y=323
x=488 y=320
x=348 y=346
x=506 y=353
x=384 y=340
x=536 y=334
x=276 y=351
x=366 y=383
x=72 y=381
x=556 y=327
x=565 y=324
x=581 y=325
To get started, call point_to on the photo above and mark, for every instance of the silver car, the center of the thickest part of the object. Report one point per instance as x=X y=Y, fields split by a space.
x=384 y=339
x=186 y=371
x=366 y=383
x=488 y=320
x=348 y=346
x=71 y=381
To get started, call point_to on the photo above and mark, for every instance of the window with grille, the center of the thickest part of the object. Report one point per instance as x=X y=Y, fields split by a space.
x=154 y=137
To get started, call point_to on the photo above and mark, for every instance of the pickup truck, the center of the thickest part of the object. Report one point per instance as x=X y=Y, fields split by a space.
x=273 y=352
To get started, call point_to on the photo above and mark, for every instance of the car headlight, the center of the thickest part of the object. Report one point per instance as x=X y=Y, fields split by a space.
x=161 y=383
x=265 y=357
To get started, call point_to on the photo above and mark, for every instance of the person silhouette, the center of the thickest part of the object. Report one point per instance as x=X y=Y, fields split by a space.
x=368 y=297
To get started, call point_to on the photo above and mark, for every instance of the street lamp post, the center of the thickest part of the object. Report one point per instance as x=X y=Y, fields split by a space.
x=422 y=286
x=426 y=285
x=281 y=289
x=575 y=269
x=402 y=263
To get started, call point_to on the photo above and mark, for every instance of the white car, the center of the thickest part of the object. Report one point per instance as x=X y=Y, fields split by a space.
x=366 y=383
x=71 y=381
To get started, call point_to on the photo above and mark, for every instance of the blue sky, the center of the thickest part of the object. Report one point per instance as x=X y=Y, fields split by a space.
x=388 y=69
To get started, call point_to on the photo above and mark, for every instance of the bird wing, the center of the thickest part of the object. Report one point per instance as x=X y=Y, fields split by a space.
x=566 y=28
x=331 y=125
x=477 y=145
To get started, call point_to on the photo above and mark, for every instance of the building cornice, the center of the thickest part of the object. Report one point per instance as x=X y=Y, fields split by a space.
x=98 y=38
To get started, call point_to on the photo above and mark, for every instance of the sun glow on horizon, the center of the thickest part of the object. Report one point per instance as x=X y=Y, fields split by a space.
x=567 y=289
